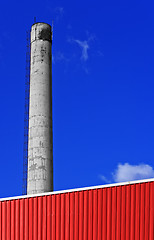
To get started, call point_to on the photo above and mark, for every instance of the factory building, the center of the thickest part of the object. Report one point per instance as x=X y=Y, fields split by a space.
x=111 y=212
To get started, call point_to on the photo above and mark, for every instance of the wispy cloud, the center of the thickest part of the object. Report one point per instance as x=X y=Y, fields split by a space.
x=100 y=53
x=58 y=57
x=84 y=45
x=56 y=13
x=127 y=172
x=104 y=179
x=59 y=11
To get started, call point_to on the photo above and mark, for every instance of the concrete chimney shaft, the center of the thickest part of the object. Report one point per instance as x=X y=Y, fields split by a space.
x=40 y=142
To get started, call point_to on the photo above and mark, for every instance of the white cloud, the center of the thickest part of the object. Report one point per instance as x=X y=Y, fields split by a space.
x=128 y=172
x=104 y=179
x=59 y=12
x=100 y=53
x=84 y=45
x=58 y=57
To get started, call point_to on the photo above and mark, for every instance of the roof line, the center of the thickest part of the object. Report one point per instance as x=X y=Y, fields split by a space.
x=78 y=189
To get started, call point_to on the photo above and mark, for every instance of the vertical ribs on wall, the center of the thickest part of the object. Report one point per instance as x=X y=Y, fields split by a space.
x=124 y=212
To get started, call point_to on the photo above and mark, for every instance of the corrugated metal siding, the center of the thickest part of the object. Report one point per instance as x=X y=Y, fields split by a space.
x=113 y=213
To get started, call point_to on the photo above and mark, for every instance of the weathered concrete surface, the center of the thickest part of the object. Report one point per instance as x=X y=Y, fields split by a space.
x=40 y=150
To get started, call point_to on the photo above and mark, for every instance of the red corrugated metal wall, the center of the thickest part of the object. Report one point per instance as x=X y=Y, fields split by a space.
x=113 y=213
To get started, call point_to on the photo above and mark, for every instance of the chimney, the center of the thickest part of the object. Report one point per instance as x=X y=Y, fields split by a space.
x=40 y=140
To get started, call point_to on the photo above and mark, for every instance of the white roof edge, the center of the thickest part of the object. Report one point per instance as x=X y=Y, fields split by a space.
x=78 y=189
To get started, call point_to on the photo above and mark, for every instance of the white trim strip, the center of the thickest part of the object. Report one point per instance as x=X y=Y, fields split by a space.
x=78 y=189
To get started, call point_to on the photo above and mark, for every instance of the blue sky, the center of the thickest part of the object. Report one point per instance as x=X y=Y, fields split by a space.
x=103 y=90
